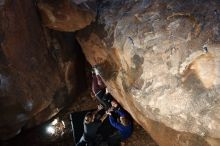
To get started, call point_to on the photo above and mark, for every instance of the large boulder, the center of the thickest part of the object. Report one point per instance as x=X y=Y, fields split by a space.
x=36 y=80
x=160 y=60
x=65 y=15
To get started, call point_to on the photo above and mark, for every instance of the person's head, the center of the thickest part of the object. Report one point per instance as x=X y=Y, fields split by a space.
x=114 y=103
x=89 y=118
x=124 y=121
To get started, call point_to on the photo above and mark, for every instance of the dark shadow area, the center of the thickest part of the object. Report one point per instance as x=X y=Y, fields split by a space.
x=71 y=52
x=68 y=57
x=39 y=136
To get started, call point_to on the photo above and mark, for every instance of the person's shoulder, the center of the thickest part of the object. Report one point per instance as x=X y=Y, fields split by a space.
x=120 y=109
x=97 y=121
x=117 y=109
x=86 y=124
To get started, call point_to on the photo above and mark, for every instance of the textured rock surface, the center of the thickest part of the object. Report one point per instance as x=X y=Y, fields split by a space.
x=160 y=59
x=153 y=57
x=65 y=15
x=36 y=77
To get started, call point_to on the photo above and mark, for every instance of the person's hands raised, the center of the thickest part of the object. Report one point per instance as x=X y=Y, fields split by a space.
x=108 y=112
x=111 y=109
x=100 y=107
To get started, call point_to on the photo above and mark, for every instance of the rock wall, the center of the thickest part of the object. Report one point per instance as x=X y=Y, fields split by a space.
x=37 y=69
x=66 y=15
x=160 y=60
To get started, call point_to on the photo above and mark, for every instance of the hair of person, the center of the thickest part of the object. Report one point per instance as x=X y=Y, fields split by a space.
x=88 y=117
x=124 y=121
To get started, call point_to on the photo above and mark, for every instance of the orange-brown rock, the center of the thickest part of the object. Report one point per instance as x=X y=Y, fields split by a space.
x=36 y=78
x=160 y=60
x=65 y=15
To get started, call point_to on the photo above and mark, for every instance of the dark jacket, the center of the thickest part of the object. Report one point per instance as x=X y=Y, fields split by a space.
x=91 y=129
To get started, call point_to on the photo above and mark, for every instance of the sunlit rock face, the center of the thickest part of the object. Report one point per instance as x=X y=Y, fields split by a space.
x=160 y=59
x=36 y=76
x=66 y=15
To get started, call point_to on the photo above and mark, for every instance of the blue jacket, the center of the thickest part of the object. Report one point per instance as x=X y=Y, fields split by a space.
x=125 y=131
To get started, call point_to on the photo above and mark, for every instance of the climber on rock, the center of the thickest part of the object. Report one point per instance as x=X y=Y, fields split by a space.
x=99 y=89
x=124 y=126
x=91 y=125
x=116 y=109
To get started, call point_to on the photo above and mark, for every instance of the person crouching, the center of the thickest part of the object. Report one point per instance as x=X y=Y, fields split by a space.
x=124 y=127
